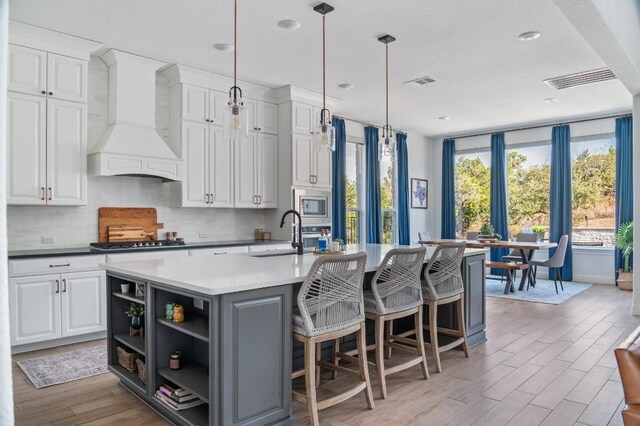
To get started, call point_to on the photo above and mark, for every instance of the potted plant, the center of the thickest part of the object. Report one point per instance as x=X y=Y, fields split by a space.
x=539 y=231
x=135 y=311
x=624 y=241
x=488 y=233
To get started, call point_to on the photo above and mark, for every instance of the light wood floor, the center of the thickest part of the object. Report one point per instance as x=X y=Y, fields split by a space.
x=542 y=364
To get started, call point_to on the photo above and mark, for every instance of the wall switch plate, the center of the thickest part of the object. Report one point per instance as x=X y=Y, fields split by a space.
x=48 y=240
x=198 y=303
x=203 y=235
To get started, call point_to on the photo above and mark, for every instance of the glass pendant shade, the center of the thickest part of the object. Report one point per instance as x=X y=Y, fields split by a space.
x=324 y=135
x=235 y=120
x=387 y=145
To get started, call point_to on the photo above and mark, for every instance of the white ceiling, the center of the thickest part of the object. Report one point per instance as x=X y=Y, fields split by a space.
x=486 y=78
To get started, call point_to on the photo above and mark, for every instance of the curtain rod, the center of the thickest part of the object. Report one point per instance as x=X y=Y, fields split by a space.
x=517 y=129
x=365 y=123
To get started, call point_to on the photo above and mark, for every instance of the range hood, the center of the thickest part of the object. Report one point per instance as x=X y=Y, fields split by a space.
x=131 y=144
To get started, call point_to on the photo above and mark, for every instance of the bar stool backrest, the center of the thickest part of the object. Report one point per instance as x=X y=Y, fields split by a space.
x=443 y=274
x=396 y=284
x=331 y=297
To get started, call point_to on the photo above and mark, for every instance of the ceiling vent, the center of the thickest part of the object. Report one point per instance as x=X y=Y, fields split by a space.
x=420 y=81
x=581 y=78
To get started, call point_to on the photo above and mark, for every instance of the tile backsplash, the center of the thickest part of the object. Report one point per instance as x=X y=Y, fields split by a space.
x=78 y=226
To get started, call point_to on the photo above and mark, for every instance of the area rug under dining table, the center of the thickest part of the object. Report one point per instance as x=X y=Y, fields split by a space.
x=543 y=292
x=65 y=367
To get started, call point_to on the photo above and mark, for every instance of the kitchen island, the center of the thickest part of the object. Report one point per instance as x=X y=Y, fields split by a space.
x=235 y=341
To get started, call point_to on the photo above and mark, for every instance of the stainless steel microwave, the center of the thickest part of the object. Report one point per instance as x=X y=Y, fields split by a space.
x=313 y=205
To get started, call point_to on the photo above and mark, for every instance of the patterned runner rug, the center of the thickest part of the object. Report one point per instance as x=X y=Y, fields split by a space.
x=65 y=367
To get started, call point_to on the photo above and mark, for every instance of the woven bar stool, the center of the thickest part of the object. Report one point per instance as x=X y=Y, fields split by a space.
x=396 y=293
x=442 y=284
x=330 y=306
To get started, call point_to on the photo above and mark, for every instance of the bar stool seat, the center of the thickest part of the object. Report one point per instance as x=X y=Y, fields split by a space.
x=329 y=306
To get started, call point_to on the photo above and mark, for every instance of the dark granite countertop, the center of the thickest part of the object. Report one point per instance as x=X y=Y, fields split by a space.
x=83 y=251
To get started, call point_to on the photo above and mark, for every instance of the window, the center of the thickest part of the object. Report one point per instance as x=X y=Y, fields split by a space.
x=528 y=177
x=473 y=176
x=593 y=174
x=354 y=194
x=388 y=181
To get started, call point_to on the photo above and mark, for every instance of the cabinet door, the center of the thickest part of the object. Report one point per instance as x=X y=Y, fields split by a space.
x=34 y=306
x=83 y=302
x=245 y=171
x=218 y=101
x=66 y=153
x=195 y=103
x=27 y=70
x=66 y=78
x=195 y=152
x=322 y=165
x=303 y=157
x=267 y=117
x=26 y=149
x=257 y=389
x=220 y=169
x=251 y=107
x=267 y=171
x=302 y=121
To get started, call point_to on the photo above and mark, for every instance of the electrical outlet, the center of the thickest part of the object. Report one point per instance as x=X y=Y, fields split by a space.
x=48 y=240
x=198 y=303
x=203 y=235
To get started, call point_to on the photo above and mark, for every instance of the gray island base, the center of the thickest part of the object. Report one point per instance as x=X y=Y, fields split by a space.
x=235 y=341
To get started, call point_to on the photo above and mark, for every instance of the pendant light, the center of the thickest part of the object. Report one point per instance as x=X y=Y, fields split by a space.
x=387 y=144
x=235 y=114
x=324 y=136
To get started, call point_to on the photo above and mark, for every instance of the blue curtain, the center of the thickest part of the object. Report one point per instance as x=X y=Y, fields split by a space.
x=338 y=191
x=560 y=197
x=404 y=223
x=624 y=179
x=448 y=219
x=498 y=202
x=372 y=166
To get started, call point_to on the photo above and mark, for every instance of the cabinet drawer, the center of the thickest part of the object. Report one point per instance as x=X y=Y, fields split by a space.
x=270 y=247
x=147 y=255
x=57 y=265
x=218 y=251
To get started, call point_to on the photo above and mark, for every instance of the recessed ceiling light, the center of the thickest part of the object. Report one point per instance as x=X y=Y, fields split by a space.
x=529 y=35
x=346 y=86
x=225 y=47
x=549 y=100
x=289 y=24
x=444 y=117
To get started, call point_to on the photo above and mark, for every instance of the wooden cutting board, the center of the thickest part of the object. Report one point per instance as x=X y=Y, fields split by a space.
x=118 y=233
x=145 y=217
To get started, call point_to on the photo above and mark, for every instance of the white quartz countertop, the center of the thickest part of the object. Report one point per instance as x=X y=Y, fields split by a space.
x=213 y=275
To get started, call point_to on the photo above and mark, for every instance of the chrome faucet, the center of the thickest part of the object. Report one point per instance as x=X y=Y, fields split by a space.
x=295 y=244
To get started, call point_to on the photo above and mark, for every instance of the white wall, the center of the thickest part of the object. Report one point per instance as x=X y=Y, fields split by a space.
x=78 y=226
x=592 y=265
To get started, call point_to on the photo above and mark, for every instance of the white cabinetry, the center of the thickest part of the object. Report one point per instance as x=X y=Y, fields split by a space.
x=202 y=104
x=311 y=167
x=256 y=177
x=46 y=307
x=218 y=251
x=46 y=128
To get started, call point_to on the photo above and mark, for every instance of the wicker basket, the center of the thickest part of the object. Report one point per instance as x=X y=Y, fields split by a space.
x=142 y=370
x=127 y=359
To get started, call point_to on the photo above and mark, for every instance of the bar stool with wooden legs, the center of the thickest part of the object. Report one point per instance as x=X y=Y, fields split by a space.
x=443 y=284
x=396 y=293
x=330 y=306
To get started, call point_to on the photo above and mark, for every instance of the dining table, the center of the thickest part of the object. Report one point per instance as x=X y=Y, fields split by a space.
x=525 y=249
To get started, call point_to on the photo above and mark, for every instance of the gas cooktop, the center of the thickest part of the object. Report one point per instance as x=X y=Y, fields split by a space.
x=133 y=245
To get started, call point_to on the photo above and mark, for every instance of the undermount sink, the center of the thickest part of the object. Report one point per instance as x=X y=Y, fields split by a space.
x=274 y=253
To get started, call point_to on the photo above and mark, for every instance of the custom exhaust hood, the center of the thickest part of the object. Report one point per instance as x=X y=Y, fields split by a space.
x=131 y=144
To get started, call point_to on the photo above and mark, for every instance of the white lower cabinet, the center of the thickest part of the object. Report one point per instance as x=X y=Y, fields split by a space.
x=218 y=251
x=46 y=307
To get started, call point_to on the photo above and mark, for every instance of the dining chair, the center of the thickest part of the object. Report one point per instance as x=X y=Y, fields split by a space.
x=554 y=263
x=424 y=236
x=514 y=255
x=472 y=236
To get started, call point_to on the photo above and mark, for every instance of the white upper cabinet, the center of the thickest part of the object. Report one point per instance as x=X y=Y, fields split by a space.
x=66 y=78
x=26 y=149
x=267 y=117
x=245 y=172
x=27 y=72
x=195 y=103
x=46 y=128
x=322 y=170
x=302 y=118
x=220 y=169
x=267 y=181
x=302 y=166
x=195 y=148
x=256 y=175
x=218 y=101
x=66 y=153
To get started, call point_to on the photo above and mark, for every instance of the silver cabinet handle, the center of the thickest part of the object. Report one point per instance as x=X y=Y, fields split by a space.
x=211 y=198
x=57 y=286
x=206 y=198
x=50 y=194
x=43 y=192
x=64 y=285
x=60 y=265
x=259 y=199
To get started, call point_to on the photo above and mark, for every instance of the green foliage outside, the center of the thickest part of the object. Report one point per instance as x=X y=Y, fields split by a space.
x=624 y=241
x=528 y=191
x=386 y=202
